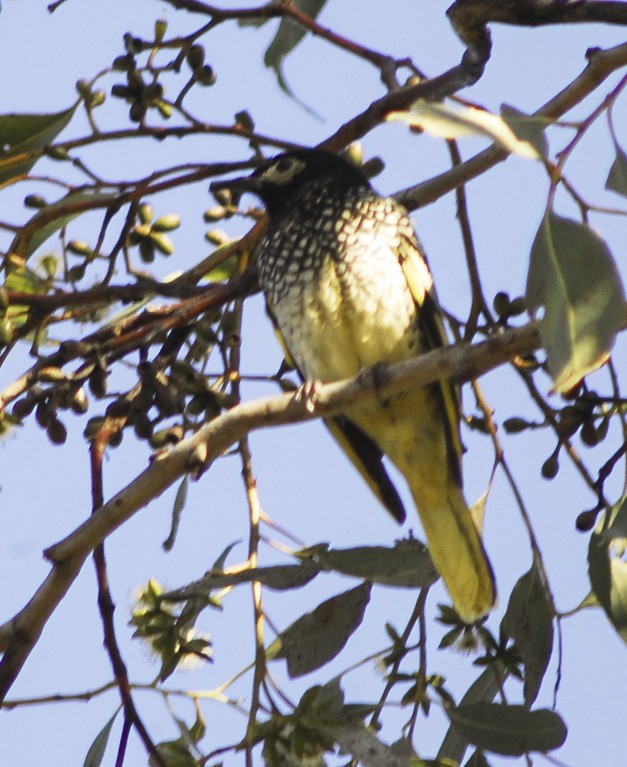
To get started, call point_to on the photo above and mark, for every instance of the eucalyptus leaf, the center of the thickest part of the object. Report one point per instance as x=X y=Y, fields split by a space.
x=483 y=689
x=617 y=177
x=527 y=128
x=528 y=620
x=572 y=275
x=277 y=577
x=23 y=138
x=288 y=36
x=177 y=510
x=607 y=571
x=99 y=746
x=508 y=730
x=451 y=121
x=53 y=217
x=317 y=637
x=407 y=564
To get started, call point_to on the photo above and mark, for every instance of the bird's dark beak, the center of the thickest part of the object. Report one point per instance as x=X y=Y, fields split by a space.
x=241 y=185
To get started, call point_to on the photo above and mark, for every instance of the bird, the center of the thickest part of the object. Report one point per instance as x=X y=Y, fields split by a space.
x=348 y=286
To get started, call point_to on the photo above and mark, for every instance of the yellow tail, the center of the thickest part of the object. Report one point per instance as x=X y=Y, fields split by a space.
x=457 y=552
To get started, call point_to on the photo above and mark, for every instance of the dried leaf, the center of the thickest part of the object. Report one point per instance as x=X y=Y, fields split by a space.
x=451 y=122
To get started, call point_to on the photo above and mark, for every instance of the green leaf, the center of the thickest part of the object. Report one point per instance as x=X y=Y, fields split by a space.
x=53 y=217
x=529 y=622
x=317 y=637
x=288 y=36
x=607 y=571
x=98 y=747
x=179 y=505
x=527 y=128
x=223 y=272
x=358 y=740
x=277 y=577
x=407 y=565
x=508 y=730
x=23 y=138
x=483 y=689
x=573 y=276
x=617 y=177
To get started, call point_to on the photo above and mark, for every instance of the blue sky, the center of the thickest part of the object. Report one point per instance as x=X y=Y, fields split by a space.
x=305 y=483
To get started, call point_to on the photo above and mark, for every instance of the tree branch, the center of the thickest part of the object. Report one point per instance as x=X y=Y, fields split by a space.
x=19 y=635
x=601 y=64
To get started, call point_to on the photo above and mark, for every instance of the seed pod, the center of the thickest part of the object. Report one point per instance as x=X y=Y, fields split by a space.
x=515 y=425
x=97 y=381
x=161 y=26
x=121 y=91
x=517 y=306
x=550 y=467
x=132 y=44
x=115 y=438
x=23 y=407
x=57 y=153
x=162 y=242
x=589 y=434
x=222 y=196
x=165 y=110
x=217 y=237
x=84 y=88
x=195 y=57
x=79 y=248
x=167 y=223
x=146 y=214
x=137 y=112
x=97 y=98
x=586 y=521
x=93 y=427
x=146 y=251
x=217 y=213
x=34 y=201
x=152 y=92
x=501 y=303
x=79 y=402
x=44 y=414
x=76 y=273
x=206 y=75
x=373 y=167
x=135 y=82
x=569 y=420
x=244 y=120
x=56 y=431
x=119 y=408
x=123 y=63
x=355 y=153
x=142 y=426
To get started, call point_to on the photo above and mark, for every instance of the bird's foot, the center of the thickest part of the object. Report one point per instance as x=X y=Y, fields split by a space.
x=307 y=395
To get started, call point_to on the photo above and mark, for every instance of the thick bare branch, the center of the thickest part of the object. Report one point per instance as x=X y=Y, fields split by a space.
x=19 y=635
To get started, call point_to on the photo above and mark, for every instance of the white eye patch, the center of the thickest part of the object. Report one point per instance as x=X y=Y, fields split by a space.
x=283 y=171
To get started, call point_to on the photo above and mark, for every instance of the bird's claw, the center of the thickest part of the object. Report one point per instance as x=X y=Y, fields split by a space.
x=307 y=394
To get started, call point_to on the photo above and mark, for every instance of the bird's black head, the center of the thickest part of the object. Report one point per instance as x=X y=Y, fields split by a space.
x=281 y=180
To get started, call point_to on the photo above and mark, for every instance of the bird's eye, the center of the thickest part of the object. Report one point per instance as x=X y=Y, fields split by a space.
x=283 y=165
x=284 y=170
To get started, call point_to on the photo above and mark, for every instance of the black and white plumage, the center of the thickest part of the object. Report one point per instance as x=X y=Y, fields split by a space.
x=348 y=286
